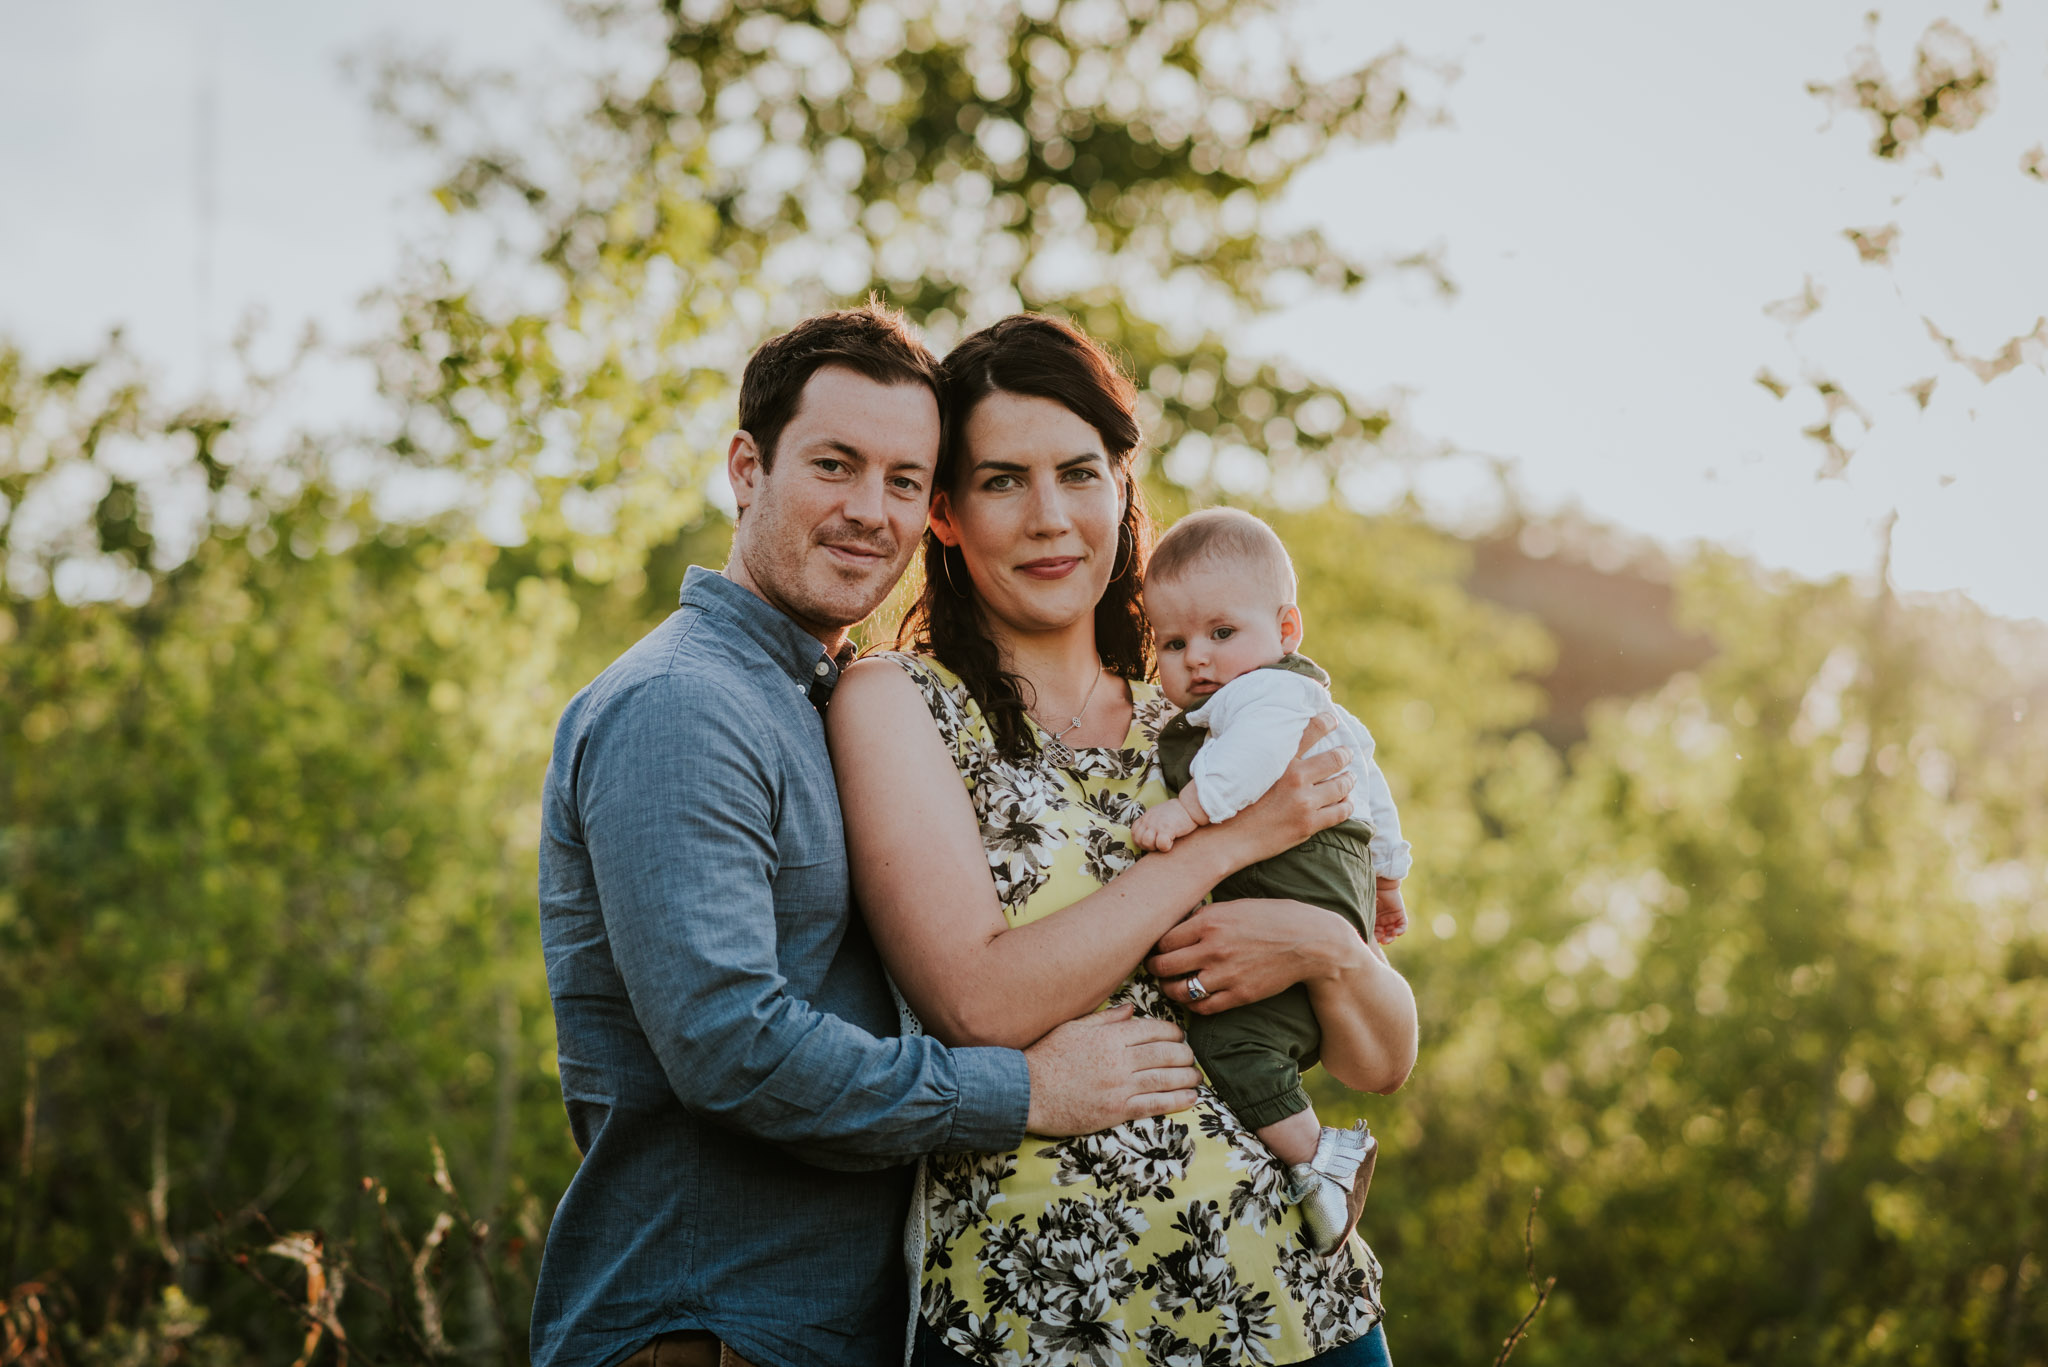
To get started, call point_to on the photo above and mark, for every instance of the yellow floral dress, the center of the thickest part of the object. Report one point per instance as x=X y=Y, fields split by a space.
x=1161 y=1241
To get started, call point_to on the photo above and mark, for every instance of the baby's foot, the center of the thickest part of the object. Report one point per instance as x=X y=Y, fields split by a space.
x=1331 y=1186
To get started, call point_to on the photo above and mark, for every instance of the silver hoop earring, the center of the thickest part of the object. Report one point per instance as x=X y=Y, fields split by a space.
x=946 y=564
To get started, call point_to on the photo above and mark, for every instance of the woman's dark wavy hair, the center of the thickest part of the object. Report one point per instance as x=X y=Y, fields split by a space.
x=1047 y=358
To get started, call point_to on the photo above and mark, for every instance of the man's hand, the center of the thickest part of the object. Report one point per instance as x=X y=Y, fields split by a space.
x=1104 y=1069
x=1160 y=826
x=1390 y=914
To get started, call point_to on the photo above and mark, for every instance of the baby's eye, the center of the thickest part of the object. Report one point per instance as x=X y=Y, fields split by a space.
x=1175 y=644
x=1224 y=633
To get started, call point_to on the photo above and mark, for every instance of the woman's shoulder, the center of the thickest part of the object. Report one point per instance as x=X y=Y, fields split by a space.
x=945 y=697
x=939 y=684
x=916 y=664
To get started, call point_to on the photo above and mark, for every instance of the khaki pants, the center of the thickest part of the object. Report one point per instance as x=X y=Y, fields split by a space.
x=686 y=1348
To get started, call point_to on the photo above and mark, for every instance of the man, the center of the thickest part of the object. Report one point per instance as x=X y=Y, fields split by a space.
x=729 y=1049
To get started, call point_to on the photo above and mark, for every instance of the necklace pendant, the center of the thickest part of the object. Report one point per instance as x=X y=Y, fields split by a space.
x=1058 y=751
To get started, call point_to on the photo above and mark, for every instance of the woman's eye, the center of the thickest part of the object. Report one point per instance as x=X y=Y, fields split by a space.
x=1224 y=633
x=1083 y=472
x=1000 y=482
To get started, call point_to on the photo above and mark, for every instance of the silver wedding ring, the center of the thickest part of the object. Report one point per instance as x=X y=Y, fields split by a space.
x=1195 y=989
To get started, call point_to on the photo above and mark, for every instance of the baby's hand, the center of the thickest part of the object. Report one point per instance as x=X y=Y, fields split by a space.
x=1390 y=915
x=1160 y=826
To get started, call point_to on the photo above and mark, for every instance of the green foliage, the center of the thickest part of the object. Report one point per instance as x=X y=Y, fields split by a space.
x=1751 y=982
x=1753 y=990
x=268 y=839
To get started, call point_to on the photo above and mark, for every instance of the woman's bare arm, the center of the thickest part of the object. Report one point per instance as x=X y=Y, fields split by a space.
x=922 y=879
x=1248 y=950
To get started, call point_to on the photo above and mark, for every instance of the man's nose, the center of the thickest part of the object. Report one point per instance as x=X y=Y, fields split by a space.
x=866 y=503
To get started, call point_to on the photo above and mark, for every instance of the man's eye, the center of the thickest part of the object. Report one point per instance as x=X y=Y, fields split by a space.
x=909 y=486
x=1224 y=633
x=830 y=466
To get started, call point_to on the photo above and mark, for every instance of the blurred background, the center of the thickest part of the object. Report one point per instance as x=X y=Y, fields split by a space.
x=1656 y=404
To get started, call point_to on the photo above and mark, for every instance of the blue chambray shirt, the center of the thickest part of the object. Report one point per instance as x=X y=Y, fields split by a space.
x=729 y=1048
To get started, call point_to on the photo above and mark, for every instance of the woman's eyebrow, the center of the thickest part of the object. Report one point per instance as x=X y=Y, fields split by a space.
x=1015 y=467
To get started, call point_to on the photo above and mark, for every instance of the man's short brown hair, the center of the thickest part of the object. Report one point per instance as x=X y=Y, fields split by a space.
x=1228 y=537
x=873 y=340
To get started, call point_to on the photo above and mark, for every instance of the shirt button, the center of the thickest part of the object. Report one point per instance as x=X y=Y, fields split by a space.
x=822 y=670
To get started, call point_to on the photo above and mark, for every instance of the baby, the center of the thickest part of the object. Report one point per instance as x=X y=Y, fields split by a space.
x=1219 y=591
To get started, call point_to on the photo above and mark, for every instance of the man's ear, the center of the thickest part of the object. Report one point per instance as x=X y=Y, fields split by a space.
x=941 y=521
x=744 y=469
x=1290 y=628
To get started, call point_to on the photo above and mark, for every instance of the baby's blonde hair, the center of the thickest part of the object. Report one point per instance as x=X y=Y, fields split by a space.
x=1223 y=536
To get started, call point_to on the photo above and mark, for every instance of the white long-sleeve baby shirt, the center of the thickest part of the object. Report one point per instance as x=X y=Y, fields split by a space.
x=1255 y=723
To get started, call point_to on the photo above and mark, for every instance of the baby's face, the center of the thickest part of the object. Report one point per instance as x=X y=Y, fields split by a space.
x=1210 y=625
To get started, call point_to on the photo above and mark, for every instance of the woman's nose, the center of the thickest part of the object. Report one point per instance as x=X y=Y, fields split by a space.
x=1049 y=510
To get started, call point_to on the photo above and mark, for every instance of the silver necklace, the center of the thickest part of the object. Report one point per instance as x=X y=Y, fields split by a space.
x=1056 y=749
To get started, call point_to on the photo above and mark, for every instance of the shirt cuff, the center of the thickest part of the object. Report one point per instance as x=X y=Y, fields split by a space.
x=992 y=1099
x=1393 y=863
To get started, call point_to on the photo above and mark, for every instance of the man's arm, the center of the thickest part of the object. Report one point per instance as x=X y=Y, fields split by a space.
x=678 y=817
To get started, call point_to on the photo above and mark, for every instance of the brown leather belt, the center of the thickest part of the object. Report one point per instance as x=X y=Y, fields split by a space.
x=686 y=1348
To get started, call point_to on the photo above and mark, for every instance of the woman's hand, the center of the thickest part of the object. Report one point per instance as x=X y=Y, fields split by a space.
x=1248 y=950
x=1313 y=795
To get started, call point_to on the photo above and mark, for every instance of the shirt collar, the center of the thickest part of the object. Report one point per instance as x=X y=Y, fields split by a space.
x=798 y=653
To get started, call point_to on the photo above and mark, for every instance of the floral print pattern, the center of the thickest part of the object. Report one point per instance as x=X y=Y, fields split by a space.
x=1164 y=1242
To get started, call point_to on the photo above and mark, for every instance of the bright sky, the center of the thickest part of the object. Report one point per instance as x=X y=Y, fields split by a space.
x=1619 y=192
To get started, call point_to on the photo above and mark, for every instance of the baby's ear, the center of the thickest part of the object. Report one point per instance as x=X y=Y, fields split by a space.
x=1290 y=628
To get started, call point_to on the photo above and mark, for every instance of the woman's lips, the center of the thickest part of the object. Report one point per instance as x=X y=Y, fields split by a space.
x=1052 y=567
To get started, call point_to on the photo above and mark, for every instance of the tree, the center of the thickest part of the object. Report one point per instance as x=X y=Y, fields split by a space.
x=1917 y=120
x=1113 y=161
x=1750 y=981
x=269 y=801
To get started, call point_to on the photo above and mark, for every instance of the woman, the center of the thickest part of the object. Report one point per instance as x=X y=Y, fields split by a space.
x=1017 y=742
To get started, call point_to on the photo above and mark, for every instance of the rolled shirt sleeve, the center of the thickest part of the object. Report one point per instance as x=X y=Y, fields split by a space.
x=1255 y=723
x=1391 y=856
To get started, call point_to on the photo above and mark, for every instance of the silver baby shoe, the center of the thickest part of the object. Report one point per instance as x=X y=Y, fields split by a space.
x=1331 y=1186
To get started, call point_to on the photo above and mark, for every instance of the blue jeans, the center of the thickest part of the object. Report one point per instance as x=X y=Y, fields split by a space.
x=1370 y=1351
